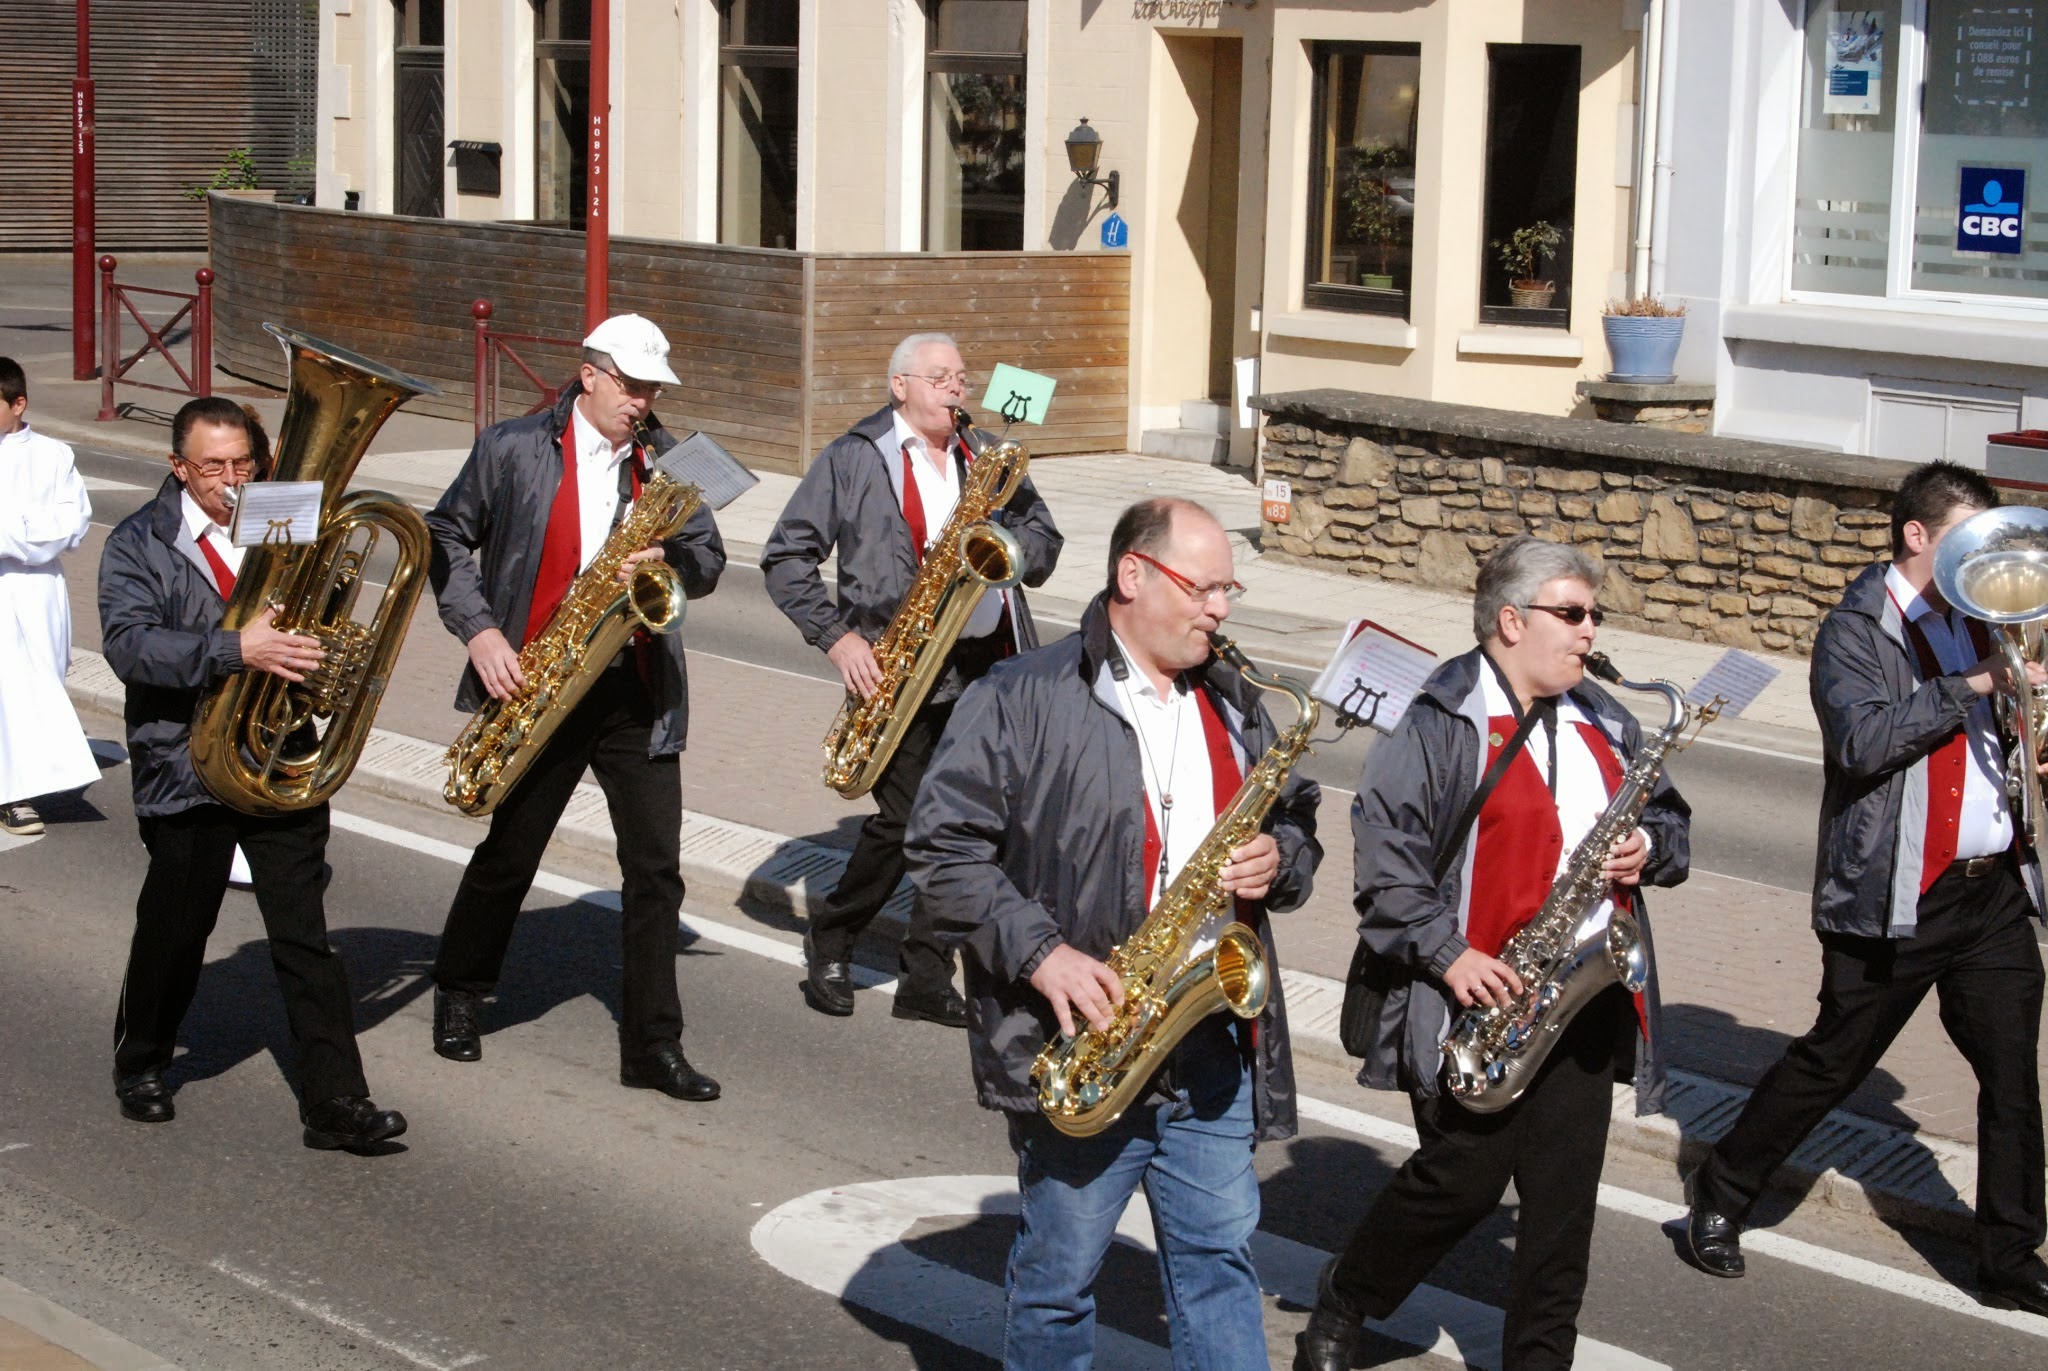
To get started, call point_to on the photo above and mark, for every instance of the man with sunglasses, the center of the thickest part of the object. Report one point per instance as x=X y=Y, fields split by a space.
x=529 y=511
x=1071 y=787
x=165 y=575
x=1466 y=815
x=880 y=495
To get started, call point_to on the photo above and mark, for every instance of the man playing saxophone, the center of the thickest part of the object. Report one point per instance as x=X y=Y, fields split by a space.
x=1070 y=787
x=879 y=496
x=529 y=510
x=1925 y=882
x=1444 y=879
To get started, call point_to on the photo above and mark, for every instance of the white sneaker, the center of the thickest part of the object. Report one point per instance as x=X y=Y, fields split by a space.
x=21 y=819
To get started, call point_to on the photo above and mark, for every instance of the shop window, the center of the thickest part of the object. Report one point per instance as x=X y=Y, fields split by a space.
x=418 y=98
x=1964 y=78
x=974 y=125
x=757 y=58
x=561 y=66
x=1362 y=176
x=1532 y=162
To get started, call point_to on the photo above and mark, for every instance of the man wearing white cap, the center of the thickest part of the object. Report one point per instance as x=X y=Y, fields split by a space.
x=528 y=512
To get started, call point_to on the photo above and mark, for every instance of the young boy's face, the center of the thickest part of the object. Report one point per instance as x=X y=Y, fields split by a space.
x=10 y=415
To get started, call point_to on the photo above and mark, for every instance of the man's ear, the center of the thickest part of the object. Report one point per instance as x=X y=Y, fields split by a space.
x=1914 y=535
x=1508 y=625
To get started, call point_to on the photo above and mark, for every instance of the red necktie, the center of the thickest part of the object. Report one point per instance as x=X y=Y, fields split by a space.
x=561 y=552
x=913 y=506
x=222 y=577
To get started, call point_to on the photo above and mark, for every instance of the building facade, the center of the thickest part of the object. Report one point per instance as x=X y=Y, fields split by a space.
x=1312 y=193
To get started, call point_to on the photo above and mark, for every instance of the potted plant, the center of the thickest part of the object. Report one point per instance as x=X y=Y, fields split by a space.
x=1371 y=215
x=236 y=175
x=1642 y=339
x=1519 y=253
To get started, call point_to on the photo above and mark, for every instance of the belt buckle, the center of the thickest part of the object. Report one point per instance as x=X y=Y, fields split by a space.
x=1980 y=866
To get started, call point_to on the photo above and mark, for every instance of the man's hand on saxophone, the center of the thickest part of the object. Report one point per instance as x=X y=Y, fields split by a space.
x=1626 y=858
x=497 y=664
x=858 y=670
x=645 y=554
x=1252 y=868
x=1071 y=979
x=1477 y=979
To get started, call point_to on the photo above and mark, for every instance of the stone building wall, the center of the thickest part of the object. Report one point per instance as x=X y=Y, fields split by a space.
x=1713 y=539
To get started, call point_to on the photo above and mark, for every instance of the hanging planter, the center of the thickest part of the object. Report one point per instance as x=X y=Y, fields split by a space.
x=1642 y=340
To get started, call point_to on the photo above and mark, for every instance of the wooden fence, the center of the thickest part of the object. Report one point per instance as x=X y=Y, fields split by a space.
x=778 y=351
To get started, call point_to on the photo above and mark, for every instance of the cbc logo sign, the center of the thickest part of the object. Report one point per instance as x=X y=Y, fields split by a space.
x=1993 y=204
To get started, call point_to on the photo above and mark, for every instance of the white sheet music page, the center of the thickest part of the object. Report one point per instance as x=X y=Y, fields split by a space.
x=1737 y=678
x=277 y=512
x=1374 y=675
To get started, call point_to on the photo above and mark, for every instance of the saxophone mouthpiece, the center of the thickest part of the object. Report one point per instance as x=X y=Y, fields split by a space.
x=1227 y=650
x=1597 y=663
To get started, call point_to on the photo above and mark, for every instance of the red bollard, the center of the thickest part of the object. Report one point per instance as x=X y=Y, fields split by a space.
x=110 y=338
x=481 y=312
x=202 y=335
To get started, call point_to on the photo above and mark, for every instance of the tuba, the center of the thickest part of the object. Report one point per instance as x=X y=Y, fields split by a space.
x=260 y=743
x=971 y=554
x=1086 y=1082
x=1994 y=566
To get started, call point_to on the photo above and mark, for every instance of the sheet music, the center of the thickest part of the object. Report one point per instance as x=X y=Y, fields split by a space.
x=1374 y=675
x=698 y=460
x=1737 y=678
x=276 y=512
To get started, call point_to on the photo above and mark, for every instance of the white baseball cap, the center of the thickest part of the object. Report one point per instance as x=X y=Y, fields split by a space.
x=636 y=347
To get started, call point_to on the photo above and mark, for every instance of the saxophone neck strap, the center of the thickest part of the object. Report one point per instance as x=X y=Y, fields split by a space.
x=1545 y=708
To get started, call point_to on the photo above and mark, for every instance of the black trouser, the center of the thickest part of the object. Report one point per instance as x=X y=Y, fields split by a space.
x=875 y=867
x=608 y=732
x=190 y=854
x=1974 y=946
x=1551 y=1143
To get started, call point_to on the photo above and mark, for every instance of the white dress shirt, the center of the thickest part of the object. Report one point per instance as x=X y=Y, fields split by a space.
x=938 y=490
x=597 y=483
x=1581 y=790
x=1985 y=825
x=1173 y=748
x=203 y=529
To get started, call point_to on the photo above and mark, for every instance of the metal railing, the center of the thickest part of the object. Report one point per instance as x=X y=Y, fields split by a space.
x=115 y=297
x=493 y=349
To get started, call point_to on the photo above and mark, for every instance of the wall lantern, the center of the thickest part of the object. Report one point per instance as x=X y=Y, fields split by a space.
x=1084 y=154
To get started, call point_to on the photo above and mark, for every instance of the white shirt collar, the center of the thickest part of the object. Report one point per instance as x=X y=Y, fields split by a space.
x=1911 y=603
x=198 y=522
x=589 y=440
x=905 y=434
x=21 y=435
x=1139 y=682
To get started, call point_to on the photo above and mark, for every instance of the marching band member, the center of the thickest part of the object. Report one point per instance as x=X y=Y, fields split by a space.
x=165 y=575
x=1924 y=883
x=1443 y=880
x=530 y=509
x=1070 y=786
x=880 y=495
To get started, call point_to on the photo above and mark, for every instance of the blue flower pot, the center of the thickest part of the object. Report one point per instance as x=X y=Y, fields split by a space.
x=1644 y=350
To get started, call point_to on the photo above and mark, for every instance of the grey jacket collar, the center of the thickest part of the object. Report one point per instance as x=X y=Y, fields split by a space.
x=167 y=525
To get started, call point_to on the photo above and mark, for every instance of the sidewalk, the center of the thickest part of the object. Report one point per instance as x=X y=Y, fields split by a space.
x=36 y=1335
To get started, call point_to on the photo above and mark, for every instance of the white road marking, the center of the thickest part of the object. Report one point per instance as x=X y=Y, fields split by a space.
x=103 y=484
x=847 y=1242
x=328 y=1314
x=12 y=1147
x=759 y=666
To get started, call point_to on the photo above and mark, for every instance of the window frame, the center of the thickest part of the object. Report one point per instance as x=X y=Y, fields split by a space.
x=547 y=50
x=1552 y=316
x=770 y=56
x=940 y=61
x=1395 y=304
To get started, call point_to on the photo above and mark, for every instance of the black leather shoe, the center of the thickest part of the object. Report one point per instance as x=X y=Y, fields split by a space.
x=827 y=986
x=942 y=1006
x=1334 y=1330
x=145 y=1098
x=1714 y=1239
x=2026 y=1290
x=349 y=1122
x=456 y=1036
x=666 y=1069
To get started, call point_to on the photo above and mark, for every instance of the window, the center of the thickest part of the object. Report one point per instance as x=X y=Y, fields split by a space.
x=1961 y=188
x=1532 y=141
x=974 y=129
x=1362 y=176
x=418 y=98
x=757 y=124
x=561 y=66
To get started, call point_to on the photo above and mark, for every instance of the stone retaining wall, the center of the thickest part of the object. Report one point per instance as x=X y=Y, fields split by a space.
x=1704 y=538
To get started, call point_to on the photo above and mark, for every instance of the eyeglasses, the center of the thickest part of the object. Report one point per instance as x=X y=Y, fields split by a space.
x=638 y=390
x=1573 y=614
x=1231 y=591
x=939 y=379
x=212 y=470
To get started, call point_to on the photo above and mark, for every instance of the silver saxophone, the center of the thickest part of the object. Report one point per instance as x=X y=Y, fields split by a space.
x=1578 y=944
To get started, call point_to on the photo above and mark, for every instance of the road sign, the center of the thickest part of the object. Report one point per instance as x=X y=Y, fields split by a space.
x=1115 y=232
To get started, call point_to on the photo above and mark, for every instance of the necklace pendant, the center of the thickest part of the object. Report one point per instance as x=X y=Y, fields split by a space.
x=1166 y=802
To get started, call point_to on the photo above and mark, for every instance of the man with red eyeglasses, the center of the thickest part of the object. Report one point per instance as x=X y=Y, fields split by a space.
x=880 y=495
x=1071 y=787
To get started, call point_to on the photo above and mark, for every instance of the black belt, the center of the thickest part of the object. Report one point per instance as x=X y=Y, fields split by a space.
x=1971 y=868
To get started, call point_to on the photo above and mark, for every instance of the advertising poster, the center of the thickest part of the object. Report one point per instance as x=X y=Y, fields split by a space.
x=1855 y=62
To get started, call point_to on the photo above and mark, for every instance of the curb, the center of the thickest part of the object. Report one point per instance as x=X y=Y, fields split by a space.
x=54 y=1326
x=1853 y=1164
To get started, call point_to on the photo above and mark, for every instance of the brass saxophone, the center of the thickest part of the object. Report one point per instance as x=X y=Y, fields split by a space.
x=971 y=554
x=590 y=627
x=260 y=743
x=1570 y=951
x=1085 y=1082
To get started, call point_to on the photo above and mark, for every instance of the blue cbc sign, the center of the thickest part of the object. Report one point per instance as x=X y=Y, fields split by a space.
x=1994 y=211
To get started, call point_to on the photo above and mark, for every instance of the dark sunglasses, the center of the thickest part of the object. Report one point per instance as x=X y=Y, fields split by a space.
x=1572 y=614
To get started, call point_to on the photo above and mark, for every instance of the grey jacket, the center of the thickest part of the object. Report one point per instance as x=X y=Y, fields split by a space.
x=488 y=530
x=847 y=501
x=1879 y=723
x=1029 y=832
x=160 y=614
x=1416 y=784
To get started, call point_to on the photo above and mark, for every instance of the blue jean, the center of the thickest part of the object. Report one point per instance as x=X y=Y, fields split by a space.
x=1193 y=1155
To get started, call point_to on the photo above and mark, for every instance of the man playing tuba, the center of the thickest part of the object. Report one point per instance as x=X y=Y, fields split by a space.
x=878 y=496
